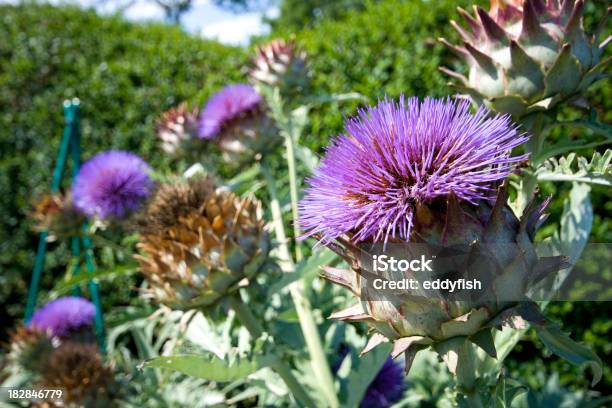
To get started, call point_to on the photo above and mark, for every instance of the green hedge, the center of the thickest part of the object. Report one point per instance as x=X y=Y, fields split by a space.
x=124 y=74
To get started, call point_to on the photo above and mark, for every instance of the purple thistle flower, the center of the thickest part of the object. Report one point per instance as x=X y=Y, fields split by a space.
x=64 y=315
x=229 y=103
x=111 y=183
x=397 y=155
x=387 y=388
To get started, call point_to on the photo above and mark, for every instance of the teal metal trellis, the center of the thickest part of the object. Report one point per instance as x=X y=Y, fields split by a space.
x=70 y=143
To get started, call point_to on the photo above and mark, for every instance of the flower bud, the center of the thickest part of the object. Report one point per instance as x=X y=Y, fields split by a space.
x=29 y=348
x=199 y=243
x=177 y=127
x=79 y=370
x=57 y=215
x=281 y=64
x=235 y=118
x=526 y=56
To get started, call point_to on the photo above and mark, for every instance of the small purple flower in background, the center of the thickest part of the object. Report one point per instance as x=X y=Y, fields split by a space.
x=387 y=388
x=64 y=315
x=396 y=156
x=111 y=184
x=231 y=102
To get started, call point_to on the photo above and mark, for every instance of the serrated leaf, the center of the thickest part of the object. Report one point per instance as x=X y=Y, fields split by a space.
x=563 y=346
x=208 y=367
x=578 y=169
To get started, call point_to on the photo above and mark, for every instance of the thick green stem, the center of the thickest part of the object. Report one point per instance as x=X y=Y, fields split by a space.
x=302 y=305
x=526 y=190
x=534 y=125
x=279 y=366
x=465 y=375
x=293 y=191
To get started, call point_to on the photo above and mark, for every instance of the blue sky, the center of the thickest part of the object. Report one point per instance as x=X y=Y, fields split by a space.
x=204 y=19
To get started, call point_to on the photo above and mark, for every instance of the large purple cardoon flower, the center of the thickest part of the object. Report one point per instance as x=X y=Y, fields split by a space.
x=387 y=388
x=64 y=315
x=111 y=184
x=396 y=156
x=229 y=103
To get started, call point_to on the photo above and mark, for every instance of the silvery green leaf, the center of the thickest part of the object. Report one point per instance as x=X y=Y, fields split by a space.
x=350 y=96
x=506 y=391
x=563 y=346
x=213 y=338
x=578 y=169
x=307 y=269
x=363 y=371
x=576 y=223
x=299 y=120
x=208 y=366
x=306 y=157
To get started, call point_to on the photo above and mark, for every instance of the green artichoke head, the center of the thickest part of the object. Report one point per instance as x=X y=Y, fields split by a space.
x=527 y=56
x=508 y=264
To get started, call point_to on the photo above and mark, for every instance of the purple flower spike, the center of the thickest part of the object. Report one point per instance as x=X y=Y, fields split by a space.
x=397 y=155
x=111 y=184
x=229 y=103
x=387 y=388
x=64 y=315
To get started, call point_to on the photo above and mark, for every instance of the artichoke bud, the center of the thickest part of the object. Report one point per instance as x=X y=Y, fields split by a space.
x=57 y=215
x=176 y=127
x=281 y=64
x=30 y=348
x=247 y=136
x=527 y=56
x=200 y=243
x=78 y=369
x=508 y=264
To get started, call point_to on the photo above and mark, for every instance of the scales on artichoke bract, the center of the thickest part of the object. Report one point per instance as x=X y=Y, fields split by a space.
x=80 y=245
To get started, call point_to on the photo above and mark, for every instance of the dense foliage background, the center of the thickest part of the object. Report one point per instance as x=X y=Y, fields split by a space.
x=126 y=74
